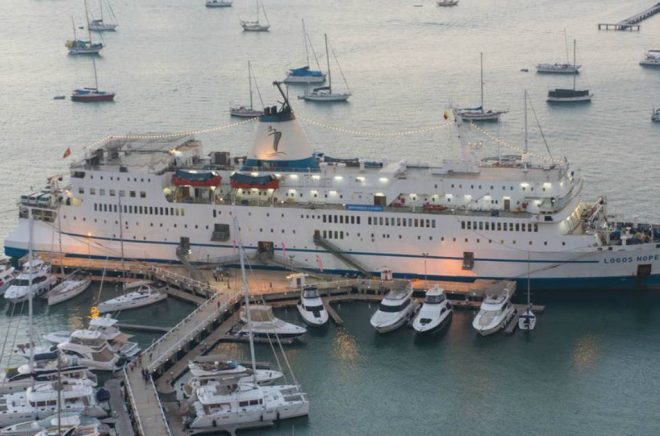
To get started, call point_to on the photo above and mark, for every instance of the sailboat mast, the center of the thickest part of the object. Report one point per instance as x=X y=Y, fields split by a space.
x=327 y=56
x=75 y=35
x=566 y=45
x=31 y=274
x=89 y=32
x=481 y=62
x=574 y=62
x=305 y=41
x=526 y=142
x=101 y=8
x=96 y=85
x=247 y=301
x=250 y=82
x=257 y=11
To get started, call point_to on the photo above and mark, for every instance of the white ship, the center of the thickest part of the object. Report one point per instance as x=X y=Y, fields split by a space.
x=160 y=198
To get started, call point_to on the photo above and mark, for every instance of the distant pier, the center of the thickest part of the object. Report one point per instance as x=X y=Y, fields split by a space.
x=631 y=23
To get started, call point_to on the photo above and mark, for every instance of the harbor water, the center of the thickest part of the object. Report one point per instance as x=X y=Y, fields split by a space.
x=590 y=367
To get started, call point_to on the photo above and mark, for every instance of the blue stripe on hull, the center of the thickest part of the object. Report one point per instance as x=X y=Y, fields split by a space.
x=587 y=283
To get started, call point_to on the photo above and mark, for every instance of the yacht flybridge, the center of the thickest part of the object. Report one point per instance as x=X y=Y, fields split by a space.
x=436 y=312
x=470 y=215
x=311 y=308
x=495 y=312
x=395 y=309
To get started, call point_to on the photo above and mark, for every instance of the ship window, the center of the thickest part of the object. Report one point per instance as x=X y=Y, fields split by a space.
x=323 y=218
x=463 y=225
x=122 y=193
x=536 y=227
x=336 y=234
x=504 y=227
x=523 y=227
x=341 y=219
x=112 y=193
x=387 y=221
x=101 y=191
x=143 y=194
x=92 y=191
x=151 y=210
x=161 y=211
x=131 y=194
x=404 y=222
x=481 y=225
x=563 y=243
x=324 y=234
x=125 y=208
x=487 y=225
x=352 y=220
x=177 y=211
x=517 y=227
x=530 y=242
x=105 y=207
x=335 y=219
x=114 y=208
x=398 y=222
x=499 y=227
x=341 y=235
x=545 y=242
x=416 y=223
x=380 y=220
x=469 y=225
x=81 y=190
x=95 y=207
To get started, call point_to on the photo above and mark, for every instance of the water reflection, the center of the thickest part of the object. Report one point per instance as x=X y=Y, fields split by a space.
x=345 y=347
x=586 y=351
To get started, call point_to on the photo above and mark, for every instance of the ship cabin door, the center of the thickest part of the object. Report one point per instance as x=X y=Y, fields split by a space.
x=468 y=260
x=644 y=271
x=380 y=200
x=507 y=203
x=266 y=247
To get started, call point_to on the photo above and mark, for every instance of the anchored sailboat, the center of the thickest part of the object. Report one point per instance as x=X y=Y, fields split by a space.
x=257 y=26
x=305 y=74
x=100 y=24
x=558 y=68
x=563 y=95
x=218 y=3
x=88 y=95
x=478 y=113
x=324 y=93
x=82 y=47
x=247 y=111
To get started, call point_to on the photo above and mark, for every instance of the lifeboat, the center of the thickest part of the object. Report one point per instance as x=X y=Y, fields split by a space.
x=246 y=181
x=197 y=178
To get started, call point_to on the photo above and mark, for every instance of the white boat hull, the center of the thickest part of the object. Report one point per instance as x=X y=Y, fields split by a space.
x=305 y=80
x=59 y=295
x=434 y=326
x=326 y=98
x=310 y=318
x=153 y=298
x=497 y=325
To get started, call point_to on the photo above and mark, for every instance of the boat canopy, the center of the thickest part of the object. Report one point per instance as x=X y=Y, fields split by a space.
x=200 y=178
x=304 y=72
x=568 y=93
x=247 y=181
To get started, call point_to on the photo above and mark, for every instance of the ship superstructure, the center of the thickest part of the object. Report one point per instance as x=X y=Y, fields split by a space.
x=158 y=198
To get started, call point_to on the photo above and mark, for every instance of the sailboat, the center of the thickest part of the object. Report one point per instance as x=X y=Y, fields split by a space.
x=558 y=68
x=230 y=405
x=305 y=74
x=478 y=113
x=87 y=95
x=256 y=26
x=243 y=111
x=324 y=93
x=218 y=3
x=563 y=95
x=527 y=320
x=100 y=25
x=82 y=47
x=447 y=3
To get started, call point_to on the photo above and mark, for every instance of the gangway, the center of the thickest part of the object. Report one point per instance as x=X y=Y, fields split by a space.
x=341 y=255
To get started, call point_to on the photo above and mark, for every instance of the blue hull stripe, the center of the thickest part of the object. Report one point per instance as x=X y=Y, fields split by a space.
x=587 y=283
x=354 y=253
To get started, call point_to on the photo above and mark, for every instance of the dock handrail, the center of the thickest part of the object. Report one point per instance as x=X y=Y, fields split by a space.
x=131 y=399
x=160 y=406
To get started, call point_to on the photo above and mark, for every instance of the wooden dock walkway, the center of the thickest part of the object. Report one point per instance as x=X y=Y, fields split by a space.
x=120 y=418
x=632 y=23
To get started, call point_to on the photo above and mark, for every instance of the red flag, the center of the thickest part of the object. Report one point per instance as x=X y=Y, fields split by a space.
x=319 y=262
x=67 y=153
x=233 y=243
x=283 y=250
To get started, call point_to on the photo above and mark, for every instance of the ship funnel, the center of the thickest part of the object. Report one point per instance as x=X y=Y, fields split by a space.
x=280 y=143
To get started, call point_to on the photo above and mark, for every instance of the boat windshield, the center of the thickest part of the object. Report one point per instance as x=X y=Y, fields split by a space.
x=398 y=308
x=435 y=299
x=314 y=308
x=311 y=293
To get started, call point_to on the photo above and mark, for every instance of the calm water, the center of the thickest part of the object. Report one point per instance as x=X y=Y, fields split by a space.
x=590 y=368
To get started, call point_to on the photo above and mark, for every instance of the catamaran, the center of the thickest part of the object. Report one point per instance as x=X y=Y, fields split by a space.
x=243 y=111
x=256 y=26
x=324 y=93
x=305 y=74
x=479 y=113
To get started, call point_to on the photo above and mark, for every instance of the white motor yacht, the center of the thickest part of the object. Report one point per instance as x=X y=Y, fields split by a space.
x=245 y=405
x=394 y=310
x=35 y=275
x=495 y=312
x=265 y=324
x=70 y=287
x=44 y=368
x=106 y=326
x=655 y=116
x=311 y=307
x=70 y=423
x=40 y=401
x=144 y=296
x=92 y=350
x=436 y=312
x=652 y=59
x=7 y=274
